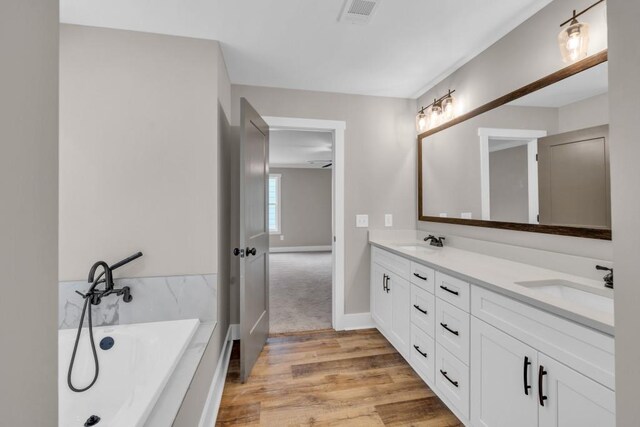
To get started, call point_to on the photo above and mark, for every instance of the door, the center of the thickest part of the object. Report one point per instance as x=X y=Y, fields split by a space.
x=400 y=291
x=381 y=297
x=573 y=176
x=254 y=237
x=503 y=370
x=571 y=399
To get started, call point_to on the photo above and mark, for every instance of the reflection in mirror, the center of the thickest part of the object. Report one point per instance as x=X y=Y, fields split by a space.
x=541 y=159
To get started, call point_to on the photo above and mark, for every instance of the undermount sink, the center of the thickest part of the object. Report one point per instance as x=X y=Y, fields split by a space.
x=415 y=247
x=586 y=296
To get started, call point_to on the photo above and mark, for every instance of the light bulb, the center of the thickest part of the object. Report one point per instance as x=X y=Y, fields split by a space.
x=421 y=121
x=448 y=108
x=574 y=41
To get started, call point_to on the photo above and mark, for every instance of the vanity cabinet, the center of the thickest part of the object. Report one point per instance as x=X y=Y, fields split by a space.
x=513 y=384
x=495 y=361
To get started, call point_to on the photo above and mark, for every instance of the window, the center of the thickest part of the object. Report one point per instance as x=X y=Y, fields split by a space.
x=274 y=204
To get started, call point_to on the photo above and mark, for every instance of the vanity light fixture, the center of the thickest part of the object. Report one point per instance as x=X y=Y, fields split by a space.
x=574 y=39
x=438 y=112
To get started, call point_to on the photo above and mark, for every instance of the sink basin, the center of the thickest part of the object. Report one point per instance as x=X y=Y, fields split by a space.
x=586 y=296
x=414 y=247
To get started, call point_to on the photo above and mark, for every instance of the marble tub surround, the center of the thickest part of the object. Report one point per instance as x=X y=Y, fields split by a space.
x=501 y=275
x=154 y=299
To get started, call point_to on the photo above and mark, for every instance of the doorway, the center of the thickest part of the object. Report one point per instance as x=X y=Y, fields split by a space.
x=306 y=222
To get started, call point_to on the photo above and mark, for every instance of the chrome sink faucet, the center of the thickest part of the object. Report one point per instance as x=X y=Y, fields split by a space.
x=435 y=241
x=608 y=278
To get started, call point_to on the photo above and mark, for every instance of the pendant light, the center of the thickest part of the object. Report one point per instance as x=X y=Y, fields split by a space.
x=441 y=110
x=422 y=122
x=448 y=108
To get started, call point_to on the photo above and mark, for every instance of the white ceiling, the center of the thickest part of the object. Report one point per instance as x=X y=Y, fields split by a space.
x=295 y=148
x=407 y=47
x=587 y=84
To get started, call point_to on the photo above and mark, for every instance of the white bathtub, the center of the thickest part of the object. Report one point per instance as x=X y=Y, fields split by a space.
x=133 y=372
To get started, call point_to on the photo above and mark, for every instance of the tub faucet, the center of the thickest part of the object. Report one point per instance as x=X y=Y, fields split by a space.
x=608 y=278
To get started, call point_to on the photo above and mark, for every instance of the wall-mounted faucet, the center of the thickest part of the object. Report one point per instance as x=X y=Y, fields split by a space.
x=435 y=241
x=608 y=278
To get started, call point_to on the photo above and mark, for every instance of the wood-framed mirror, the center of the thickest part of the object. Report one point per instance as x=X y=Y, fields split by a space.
x=536 y=159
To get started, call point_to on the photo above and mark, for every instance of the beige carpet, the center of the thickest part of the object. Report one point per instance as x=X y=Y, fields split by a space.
x=300 y=291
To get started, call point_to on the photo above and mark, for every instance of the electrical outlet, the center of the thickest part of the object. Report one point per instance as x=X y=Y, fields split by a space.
x=466 y=215
x=443 y=215
x=388 y=220
x=282 y=237
x=362 y=221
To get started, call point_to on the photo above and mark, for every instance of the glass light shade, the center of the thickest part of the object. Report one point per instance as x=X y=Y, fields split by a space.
x=435 y=116
x=448 y=108
x=422 y=122
x=574 y=41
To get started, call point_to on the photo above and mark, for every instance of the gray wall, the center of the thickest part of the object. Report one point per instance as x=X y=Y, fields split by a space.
x=29 y=212
x=305 y=207
x=509 y=184
x=138 y=135
x=532 y=52
x=380 y=154
x=624 y=68
x=583 y=114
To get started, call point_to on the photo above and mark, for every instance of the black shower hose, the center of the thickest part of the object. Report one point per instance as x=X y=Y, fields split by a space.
x=87 y=304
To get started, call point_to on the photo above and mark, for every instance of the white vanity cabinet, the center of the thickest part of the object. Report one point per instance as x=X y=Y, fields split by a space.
x=495 y=361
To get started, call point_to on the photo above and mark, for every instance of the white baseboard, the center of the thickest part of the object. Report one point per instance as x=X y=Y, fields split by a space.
x=212 y=405
x=300 y=249
x=357 y=321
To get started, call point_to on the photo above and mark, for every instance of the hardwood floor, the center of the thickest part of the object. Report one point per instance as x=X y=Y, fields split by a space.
x=329 y=378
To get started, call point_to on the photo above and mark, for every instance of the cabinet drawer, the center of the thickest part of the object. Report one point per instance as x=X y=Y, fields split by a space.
x=391 y=262
x=452 y=290
x=423 y=276
x=452 y=330
x=423 y=354
x=586 y=350
x=452 y=380
x=422 y=308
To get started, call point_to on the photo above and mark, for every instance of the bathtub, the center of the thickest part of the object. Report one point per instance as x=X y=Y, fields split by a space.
x=133 y=372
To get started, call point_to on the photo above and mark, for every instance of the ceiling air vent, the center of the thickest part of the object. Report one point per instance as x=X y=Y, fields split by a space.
x=358 y=11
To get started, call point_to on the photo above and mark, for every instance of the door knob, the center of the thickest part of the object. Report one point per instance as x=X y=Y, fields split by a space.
x=238 y=252
x=251 y=251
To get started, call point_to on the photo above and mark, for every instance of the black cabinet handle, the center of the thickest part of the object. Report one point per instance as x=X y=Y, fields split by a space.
x=238 y=252
x=384 y=282
x=387 y=284
x=525 y=372
x=444 y=374
x=444 y=288
x=419 y=276
x=541 y=374
x=417 y=307
x=444 y=325
x=418 y=350
x=251 y=251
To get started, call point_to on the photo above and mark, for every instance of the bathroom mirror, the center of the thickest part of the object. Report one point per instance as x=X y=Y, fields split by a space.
x=533 y=160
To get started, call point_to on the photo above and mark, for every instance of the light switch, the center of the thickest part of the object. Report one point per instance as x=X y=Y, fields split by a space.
x=362 y=221
x=388 y=220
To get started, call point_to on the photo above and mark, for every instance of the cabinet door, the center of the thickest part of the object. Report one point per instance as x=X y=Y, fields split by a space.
x=570 y=399
x=502 y=376
x=381 y=297
x=401 y=313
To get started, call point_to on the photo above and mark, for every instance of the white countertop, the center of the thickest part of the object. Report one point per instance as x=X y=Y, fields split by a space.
x=500 y=275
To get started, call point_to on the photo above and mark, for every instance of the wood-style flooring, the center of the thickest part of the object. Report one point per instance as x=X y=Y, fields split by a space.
x=329 y=378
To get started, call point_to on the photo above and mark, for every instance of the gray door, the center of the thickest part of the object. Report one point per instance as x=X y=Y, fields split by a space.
x=254 y=237
x=573 y=178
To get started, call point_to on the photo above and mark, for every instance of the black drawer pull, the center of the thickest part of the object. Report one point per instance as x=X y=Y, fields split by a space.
x=418 y=350
x=444 y=325
x=387 y=284
x=525 y=372
x=419 y=276
x=444 y=374
x=444 y=288
x=384 y=282
x=417 y=307
x=541 y=374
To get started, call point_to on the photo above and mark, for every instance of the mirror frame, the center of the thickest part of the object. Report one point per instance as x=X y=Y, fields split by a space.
x=591 y=233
